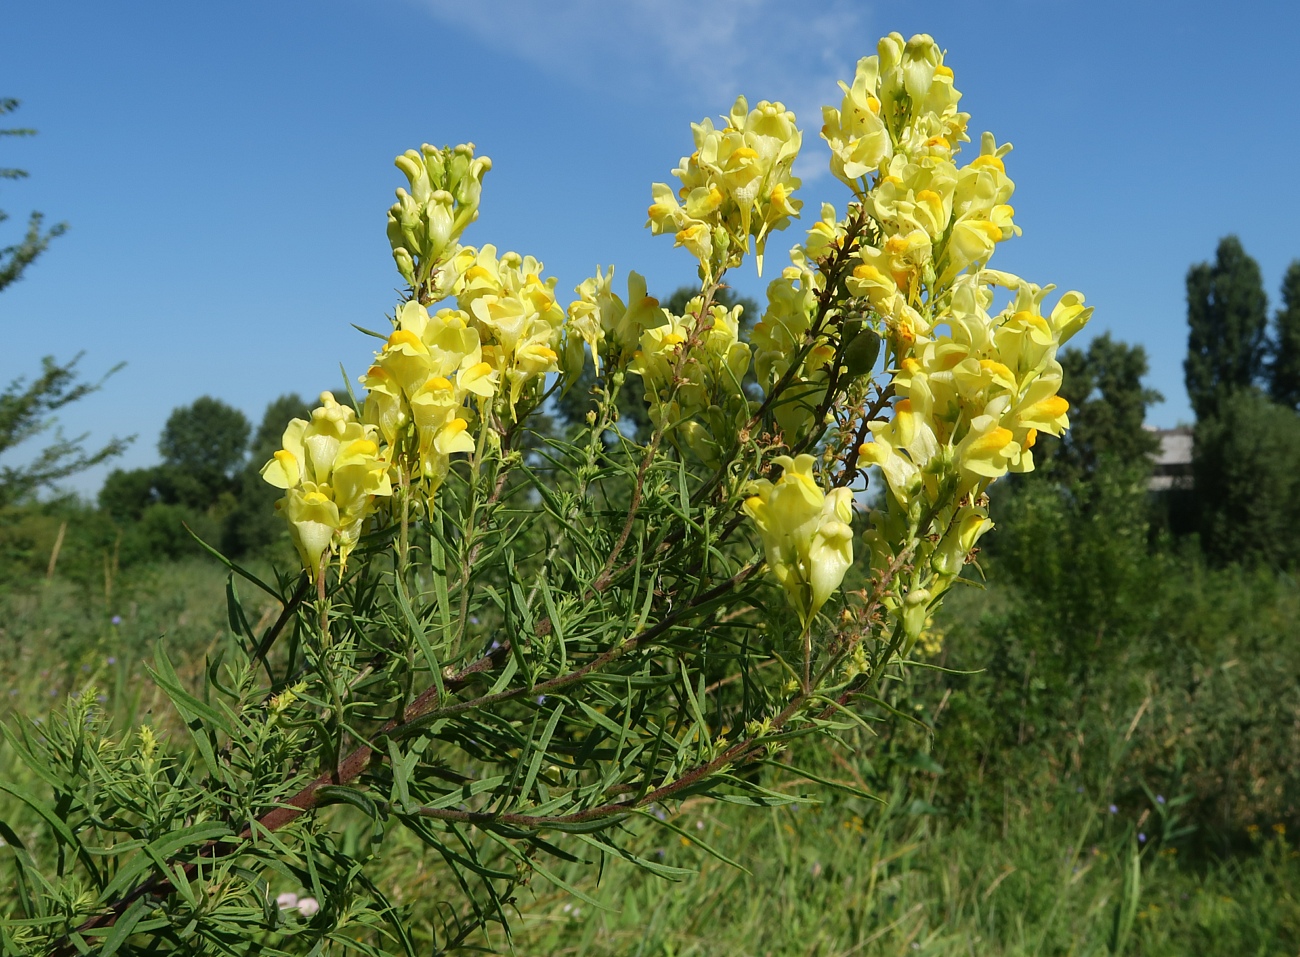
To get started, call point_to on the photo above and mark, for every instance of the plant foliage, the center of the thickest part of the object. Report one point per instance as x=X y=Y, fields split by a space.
x=514 y=647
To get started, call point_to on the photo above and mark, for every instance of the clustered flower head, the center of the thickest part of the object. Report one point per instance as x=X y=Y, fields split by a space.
x=331 y=470
x=973 y=389
x=806 y=533
x=736 y=185
x=600 y=320
x=424 y=224
x=693 y=367
x=442 y=375
x=425 y=387
x=515 y=313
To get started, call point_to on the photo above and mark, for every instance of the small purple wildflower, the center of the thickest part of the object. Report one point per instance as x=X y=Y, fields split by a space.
x=1079 y=789
x=112 y=660
x=116 y=620
x=1142 y=838
x=101 y=698
x=541 y=699
x=1114 y=809
x=473 y=619
x=1160 y=799
x=494 y=646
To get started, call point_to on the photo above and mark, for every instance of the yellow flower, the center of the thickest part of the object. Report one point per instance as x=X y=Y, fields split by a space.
x=806 y=534
x=331 y=469
x=856 y=133
x=706 y=383
x=514 y=312
x=736 y=186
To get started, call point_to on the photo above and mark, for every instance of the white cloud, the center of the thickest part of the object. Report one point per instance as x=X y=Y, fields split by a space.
x=704 y=51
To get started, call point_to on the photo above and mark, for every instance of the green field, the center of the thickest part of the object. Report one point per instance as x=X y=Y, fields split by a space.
x=1118 y=778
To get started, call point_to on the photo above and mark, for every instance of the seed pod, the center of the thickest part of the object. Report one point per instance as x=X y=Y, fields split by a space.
x=861 y=353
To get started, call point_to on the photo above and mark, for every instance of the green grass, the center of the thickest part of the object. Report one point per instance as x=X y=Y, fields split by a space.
x=1058 y=874
x=1032 y=866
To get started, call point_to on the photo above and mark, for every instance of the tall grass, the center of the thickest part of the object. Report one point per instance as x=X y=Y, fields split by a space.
x=995 y=837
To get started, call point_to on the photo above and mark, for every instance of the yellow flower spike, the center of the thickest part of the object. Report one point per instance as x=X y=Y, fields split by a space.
x=596 y=311
x=806 y=534
x=856 y=133
x=736 y=187
x=424 y=223
x=513 y=312
x=331 y=469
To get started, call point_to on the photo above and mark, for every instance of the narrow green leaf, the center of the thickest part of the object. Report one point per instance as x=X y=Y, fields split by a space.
x=824 y=781
x=51 y=818
x=123 y=927
x=539 y=752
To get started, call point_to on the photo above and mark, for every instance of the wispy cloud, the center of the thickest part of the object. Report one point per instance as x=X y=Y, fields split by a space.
x=701 y=51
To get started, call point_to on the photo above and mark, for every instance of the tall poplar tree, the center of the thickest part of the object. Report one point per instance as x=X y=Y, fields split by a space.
x=1227 y=316
x=1284 y=378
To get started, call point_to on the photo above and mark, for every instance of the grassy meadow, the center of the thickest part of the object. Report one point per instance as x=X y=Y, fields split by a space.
x=1103 y=761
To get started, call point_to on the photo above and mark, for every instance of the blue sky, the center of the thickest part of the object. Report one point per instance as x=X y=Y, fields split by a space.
x=225 y=168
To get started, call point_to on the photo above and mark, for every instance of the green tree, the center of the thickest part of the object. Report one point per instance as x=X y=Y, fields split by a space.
x=16 y=258
x=198 y=484
x=26 y=407
x=1227 y=316
x=1108 y=404
x=25 y=410
x=1284 y=374
x=1246 y=468
x=206 y=438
